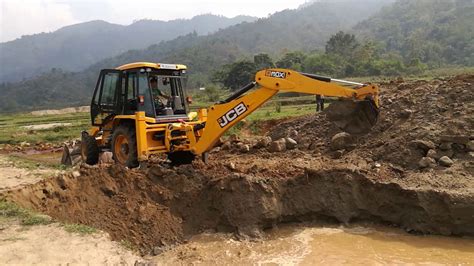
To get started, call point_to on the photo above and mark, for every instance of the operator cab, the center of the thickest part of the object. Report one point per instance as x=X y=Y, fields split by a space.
x=156 y=89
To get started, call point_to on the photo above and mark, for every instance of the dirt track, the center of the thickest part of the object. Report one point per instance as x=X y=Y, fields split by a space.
x=392 y=175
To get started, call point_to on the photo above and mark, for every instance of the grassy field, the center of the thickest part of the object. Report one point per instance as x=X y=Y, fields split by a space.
x=12 y=131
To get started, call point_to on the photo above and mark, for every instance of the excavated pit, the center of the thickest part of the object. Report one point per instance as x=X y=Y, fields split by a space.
x=165 y=206
x=375 y=177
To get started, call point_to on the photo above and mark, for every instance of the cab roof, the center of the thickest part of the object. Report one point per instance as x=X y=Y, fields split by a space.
x=152 y=65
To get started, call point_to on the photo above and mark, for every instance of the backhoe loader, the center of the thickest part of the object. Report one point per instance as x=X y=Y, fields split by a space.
x=141 y=109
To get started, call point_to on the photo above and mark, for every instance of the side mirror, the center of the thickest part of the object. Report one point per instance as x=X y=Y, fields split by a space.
x=189 y=100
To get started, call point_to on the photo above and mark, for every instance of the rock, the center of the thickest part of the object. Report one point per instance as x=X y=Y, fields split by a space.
x=215 y=150
x=444 y=146
x=244 y=148
x=293 y=134
x=470 y=145
x=431 y=154
x=426 y=162
x=290 y=143
x=337 y=154
x=341 y=141
x=226 y=146
x=445 y=161
x=157 y=251
x=448 y=153
x=277 y=146
x=25 y=144
x=76 y=174
x=459 y=139
x=234 y=138
x=263 y=142
x=406 y=113
x=231 y=166
x=106 y=157
x=377 y=165
x=424 y=145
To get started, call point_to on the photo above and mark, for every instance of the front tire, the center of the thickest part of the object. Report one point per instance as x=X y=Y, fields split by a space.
x=124 y=146
x=89 y=150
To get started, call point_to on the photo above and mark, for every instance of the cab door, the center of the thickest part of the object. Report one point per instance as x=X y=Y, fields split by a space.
x=107 y=98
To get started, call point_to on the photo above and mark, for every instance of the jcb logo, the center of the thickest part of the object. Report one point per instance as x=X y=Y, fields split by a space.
x=232 y=115
x=276 y=74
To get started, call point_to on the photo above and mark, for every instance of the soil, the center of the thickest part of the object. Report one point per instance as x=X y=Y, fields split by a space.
x=51 y=245
x=376 y=177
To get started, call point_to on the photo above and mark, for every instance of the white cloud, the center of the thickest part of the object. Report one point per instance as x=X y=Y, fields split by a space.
x=28 y=17
x=34 y=16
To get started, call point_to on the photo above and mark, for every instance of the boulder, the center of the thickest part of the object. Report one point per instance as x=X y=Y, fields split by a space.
x=226 y=146
x=278 y=145
x=293 y=134
x=263 y=142
x=244 y=148
x=341 y=141
x=290 y=143
x=424 y=145
x=444 y=146
x=431 y=154
x=445 y=161
x=426 y=162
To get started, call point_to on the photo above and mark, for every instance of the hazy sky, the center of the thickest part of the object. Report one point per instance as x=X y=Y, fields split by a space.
x=23 y=17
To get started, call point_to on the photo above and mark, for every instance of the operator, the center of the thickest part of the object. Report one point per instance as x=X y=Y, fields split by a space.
x=160 y=98
x=319 y=103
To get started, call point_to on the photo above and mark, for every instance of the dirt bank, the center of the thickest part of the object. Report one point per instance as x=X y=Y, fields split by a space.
x=396 y=174
x=164 y=206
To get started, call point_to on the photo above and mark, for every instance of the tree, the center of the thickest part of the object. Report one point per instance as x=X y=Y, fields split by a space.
x=236 y=75
x=263 y=61
x=292 y=60
x=342 y=44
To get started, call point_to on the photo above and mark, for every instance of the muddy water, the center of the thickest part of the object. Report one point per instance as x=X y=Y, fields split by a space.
x=324 y=245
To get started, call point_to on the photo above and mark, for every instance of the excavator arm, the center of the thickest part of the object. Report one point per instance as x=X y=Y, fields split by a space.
x=356 y=112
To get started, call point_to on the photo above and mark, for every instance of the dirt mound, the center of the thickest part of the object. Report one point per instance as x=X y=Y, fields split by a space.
x=415 y=117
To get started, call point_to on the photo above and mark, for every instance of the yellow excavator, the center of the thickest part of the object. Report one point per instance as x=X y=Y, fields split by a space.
x=141 y=109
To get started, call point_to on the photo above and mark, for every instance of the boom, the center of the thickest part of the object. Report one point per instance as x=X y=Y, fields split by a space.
x=224 y=115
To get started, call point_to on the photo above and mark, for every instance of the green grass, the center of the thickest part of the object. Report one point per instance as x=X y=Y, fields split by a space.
x=9 y=210
x=80 y=229
x=13 y=133
x=20 y=162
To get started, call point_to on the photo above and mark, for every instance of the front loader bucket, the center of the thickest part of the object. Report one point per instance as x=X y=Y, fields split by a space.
x=354 y=117
x=71 y=156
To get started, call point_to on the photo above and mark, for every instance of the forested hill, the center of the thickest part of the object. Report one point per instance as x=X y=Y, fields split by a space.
x=303 y=29
x=401 y=37
x=437 y=32
x=75 y=47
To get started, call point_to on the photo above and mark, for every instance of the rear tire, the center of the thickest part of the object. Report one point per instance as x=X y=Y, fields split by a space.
x=181 y=157
x=89 y=150
x=124 y=146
